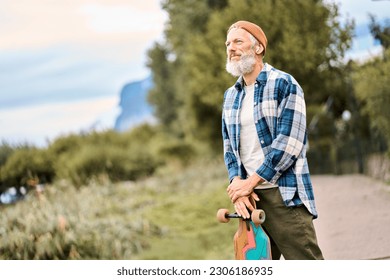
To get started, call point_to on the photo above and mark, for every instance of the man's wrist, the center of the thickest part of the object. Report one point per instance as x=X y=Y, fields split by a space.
x=255 y=180
x=236 y=178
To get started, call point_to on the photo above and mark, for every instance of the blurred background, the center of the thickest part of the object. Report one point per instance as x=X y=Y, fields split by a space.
x=110 y=116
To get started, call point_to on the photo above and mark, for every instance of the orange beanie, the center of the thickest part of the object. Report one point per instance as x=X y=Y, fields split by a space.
x=253 y=29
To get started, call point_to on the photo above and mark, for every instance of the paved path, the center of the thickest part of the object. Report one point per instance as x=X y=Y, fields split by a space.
x=354 y=217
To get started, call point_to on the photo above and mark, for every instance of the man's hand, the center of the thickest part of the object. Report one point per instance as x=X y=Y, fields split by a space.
x=243 y=187
x=242 y=205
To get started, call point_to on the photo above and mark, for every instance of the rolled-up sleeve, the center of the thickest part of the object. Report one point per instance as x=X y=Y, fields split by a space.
x=290 y=135
x=229 y=156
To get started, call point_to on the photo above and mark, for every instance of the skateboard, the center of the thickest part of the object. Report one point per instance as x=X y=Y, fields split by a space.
x=250 y=240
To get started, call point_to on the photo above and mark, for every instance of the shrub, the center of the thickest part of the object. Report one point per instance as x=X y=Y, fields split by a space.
x=66 y=223
x=25 y=164
x=115 y=163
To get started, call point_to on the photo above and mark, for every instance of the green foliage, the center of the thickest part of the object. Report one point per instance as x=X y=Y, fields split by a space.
x=166 y=104
x=107 y=156
x=381 y=33
x=96 y=156
x=175 y=150
x=372 y=85
x=188 y=17
x=97 y=222
x=5 y=151
x=165 y=217
x=26 y=164
x=95 y=161
x=66 y=144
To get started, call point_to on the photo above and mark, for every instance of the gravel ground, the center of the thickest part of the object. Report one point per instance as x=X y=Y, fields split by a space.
x=354 y=217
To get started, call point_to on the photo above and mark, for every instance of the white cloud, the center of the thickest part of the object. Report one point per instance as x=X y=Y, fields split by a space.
x=44 y=23
x=121 y=18
x=34 y=124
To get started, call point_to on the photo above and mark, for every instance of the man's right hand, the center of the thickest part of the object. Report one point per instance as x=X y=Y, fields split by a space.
x=243 y=187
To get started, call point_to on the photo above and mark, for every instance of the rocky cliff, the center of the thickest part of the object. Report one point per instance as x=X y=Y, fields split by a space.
x=134 y=106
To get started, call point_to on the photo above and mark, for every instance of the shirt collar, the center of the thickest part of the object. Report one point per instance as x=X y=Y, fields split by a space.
x=261 y=78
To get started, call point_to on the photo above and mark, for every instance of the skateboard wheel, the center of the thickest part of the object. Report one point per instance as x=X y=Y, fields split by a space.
x=222 y=215
x=258 y=216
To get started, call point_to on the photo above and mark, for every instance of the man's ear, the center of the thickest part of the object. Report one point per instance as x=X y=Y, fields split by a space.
x=259 y=49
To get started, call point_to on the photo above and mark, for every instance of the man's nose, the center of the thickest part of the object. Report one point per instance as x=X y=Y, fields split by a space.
x=231 y=47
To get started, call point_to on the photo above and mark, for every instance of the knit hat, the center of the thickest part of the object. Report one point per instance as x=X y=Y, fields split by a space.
x=253 y=29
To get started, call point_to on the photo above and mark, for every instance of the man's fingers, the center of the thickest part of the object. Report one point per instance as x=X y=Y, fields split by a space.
x=238 y=208
x=238 y=194
x=230 y=192
x=234 y=195
x=249 y=206
x=241 y=208
x=255 y=196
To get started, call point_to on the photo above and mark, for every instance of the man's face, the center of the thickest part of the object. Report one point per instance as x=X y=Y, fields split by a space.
x=241 y=58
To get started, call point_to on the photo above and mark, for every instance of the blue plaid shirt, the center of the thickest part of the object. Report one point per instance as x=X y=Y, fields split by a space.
x=280 y=119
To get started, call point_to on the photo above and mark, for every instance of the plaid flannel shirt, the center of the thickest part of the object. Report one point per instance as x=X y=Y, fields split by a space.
x=280 y=119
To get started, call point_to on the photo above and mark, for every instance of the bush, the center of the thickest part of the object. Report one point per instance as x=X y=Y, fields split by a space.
x=5 y=151
x=65 y=144
x=66 y=223
x=107 y=155
x=111 y=162
x=27 y=164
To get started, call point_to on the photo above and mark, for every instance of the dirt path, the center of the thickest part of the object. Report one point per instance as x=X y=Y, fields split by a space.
x=354 y=217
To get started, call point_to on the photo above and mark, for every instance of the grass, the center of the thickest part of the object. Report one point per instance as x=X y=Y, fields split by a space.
x=168 y=216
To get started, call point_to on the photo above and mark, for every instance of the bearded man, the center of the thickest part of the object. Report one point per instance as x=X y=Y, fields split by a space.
x=265 y=141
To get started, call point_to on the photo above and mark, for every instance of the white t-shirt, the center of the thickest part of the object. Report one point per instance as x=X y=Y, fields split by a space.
x=251 y=153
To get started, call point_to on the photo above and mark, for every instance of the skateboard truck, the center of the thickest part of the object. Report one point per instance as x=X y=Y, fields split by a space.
x=257 y=216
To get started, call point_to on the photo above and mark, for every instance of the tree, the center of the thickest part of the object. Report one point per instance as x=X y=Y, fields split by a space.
x=167 y=61
x=305 y=39
x=162 y=95
x=380 y=33
x=372 y=85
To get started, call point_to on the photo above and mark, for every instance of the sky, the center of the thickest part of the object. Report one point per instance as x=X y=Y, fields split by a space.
x=63 y=63
x=364 y=45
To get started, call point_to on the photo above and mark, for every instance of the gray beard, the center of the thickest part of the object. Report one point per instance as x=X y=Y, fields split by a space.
x=244 y=66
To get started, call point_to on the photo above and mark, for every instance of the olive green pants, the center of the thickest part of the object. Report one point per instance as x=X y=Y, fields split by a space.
x=290 y=229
